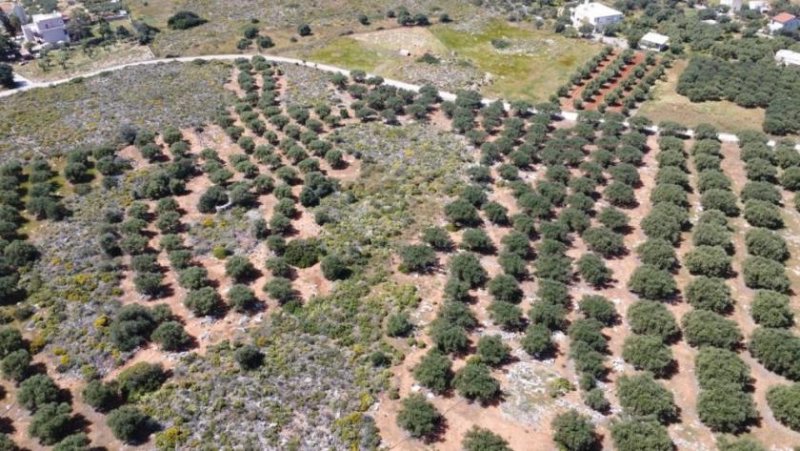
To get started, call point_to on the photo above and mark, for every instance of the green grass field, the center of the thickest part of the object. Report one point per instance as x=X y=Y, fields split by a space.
x=531 y=68
x=535 y=65
x=668 y=105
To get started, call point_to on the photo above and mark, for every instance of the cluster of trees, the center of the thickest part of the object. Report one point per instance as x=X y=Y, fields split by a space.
x=183 y=20
x=610 y=72
x=43 y=201
x=51 y=422
x=636 y=86
x=135 y=325
x=586 y=71
x=16 y=252
x=6 y=75
x=707 y=78
x=127 y=422
x=252 y=33
x=723 y=405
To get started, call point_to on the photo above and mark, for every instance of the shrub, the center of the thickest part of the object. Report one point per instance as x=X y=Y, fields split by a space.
x=573 y=431
x=462 y=213
x=280 y=289
x=707 y=293
x=249 y=357
x=604 y=241
x=334 y=268
x=37 y=391
x=760 y=272
x=661 y=225
x=437 y=238
x=140 y=379
x=763 y=191
x=16 y=365
x=505 y=288
x=790 y=178
x=620 y=195
x=475 y=381
x=193 y=278
x=778 y=350
x=102 y=397
x=706 y=234
x=704 y=328
x=716 y=367
x=398 y=325
x=10 y=341
x=51 y=423
x=593 y=270
x=651 y=282
x=242 y=298
x=771 y=309
x=467 y=268
x=538 y=341
x=614 y=219
x=506 y=315
x=658 y=253
x=767 y=244
x=302 y=253
x=434 y=371
x=548 y=314
x=710 y=261
x=784 y=401
x=476 y=240
x=640 y=395
x=640 y=434
x=492 y=351
x=75 y=442
x=672 y=194
x=240 y=269
x=171 y=336
x=652 y=318
x=203 y=301
x=726 y=410
x=418 y=416
x=128 y=424
x=722 y=200
x=478 y=439
x=183 y=20
x=598 y=308
x=648 y=353
x=762 y=214
x=596 y=400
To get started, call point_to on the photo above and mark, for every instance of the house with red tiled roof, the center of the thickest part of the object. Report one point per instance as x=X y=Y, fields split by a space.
x=783 y=22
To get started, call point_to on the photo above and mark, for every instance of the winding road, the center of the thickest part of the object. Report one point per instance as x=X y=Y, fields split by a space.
x=26 y=85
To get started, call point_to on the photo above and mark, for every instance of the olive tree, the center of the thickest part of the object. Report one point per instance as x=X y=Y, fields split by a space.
x=418 y=416
x=573 y=431
x=705 y=328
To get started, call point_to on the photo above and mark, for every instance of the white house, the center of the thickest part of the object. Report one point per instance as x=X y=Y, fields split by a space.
x=783 y=22
x=654 y=41
x=47 y=28
x=733 y=5
x=595 y=14
x=787 y=57
x=761 y=6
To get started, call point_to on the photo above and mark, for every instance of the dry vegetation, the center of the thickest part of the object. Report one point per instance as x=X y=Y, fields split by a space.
x=293 y=255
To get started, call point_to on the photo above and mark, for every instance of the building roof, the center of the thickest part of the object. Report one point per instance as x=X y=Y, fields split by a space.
x=41 y=17
x=784 y=17
x=595 y=9
x=787 y=56
x=655 y=38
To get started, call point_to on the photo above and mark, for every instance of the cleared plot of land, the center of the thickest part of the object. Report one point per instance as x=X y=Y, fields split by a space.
x=279 y=19
x=668 y=105
x=90 y=112
x=514 y=62
x=60 y=64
